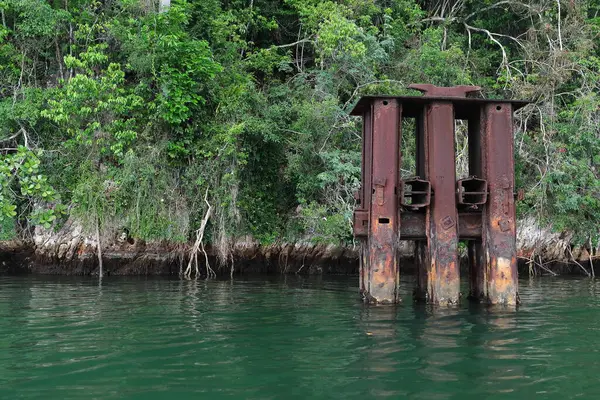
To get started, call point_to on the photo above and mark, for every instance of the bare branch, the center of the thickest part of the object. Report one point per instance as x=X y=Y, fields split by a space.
x=560 y=46
x=491 y=37
x=502 y=3
x=282 y=46
x=12 y=137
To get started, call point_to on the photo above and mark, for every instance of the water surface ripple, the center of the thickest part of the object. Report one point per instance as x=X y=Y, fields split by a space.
x=289 y=338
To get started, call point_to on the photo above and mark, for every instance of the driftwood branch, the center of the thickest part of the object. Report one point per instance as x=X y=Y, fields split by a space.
x=531 y=261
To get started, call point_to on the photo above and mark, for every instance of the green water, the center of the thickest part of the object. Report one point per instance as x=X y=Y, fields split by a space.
x=289 y=338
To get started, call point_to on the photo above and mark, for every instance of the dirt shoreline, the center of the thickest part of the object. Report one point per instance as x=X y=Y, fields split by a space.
x=21 y=257
x=167 y=259
x=70 y=251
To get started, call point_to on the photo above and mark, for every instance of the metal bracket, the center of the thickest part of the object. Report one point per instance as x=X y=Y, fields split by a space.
x=361 y=223
x=379 y=184
x=471 y=191
x=415 y=193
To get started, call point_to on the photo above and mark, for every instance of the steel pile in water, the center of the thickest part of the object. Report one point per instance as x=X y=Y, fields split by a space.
x=433 y=208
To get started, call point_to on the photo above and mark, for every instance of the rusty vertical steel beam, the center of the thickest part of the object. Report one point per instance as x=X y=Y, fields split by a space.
x=443 y=275
x=365 y=198
x=499 y=224
x=422 y=258
x=477 y=290
x=477 y=277
x=381 y=274
x=420 y=146
x=439 y=275
x=367 y=157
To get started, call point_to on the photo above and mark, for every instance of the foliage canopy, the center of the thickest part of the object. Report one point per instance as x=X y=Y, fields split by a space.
x=119 y=112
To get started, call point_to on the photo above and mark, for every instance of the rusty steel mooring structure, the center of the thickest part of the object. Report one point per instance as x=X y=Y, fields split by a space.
x=434 y=209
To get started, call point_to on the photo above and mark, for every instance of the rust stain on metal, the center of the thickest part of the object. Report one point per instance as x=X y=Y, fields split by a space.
x=477 y=288
x=413 y=225
x=504 y=225
x=435 y=209
x=471 y=192
x=499 y=239
x=379 y=190
x=442 y=232
x=383 y=265
x=415 y=193
x=382 y=271
x=361 y=223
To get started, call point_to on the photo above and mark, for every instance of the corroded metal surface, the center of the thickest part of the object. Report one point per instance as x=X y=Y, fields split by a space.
x=471 y=191
x=426 y=208
x=443 y=280
x=382 y=274
x=412 y=106
x=413 y=226
x=475 y=252
x=361 y=223
x=365 y=192
x=477 y=287
x=499 y=232
x=367 y=157
x=415 y=193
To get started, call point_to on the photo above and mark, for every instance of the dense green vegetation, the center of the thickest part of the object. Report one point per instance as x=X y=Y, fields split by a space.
x=119 y=113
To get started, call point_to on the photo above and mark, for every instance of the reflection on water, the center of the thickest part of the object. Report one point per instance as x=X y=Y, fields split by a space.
x=289 y=337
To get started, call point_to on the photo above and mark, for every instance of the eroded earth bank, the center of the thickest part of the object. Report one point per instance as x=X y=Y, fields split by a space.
x=72 y=252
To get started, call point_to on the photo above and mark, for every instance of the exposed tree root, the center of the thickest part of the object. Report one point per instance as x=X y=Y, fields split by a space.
x=590 y=257
x=199 y=245
x=576 y=262
x=99 y=249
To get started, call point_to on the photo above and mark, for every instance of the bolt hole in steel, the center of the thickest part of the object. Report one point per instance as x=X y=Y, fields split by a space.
x=384 y=220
